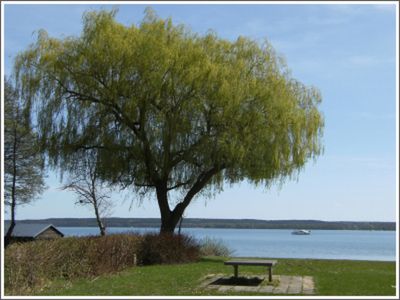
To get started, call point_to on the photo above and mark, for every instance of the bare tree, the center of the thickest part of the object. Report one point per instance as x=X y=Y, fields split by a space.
x=91 y=190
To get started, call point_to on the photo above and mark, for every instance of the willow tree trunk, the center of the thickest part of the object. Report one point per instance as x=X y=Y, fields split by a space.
x=168 y=224
x=169 y=218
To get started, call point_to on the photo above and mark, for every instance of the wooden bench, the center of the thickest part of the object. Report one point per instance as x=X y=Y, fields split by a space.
x=267 y=263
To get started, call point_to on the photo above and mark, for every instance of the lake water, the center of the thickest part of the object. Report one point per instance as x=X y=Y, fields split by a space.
x=280 y=243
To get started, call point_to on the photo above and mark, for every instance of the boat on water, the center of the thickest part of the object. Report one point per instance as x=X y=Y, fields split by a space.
x=301 y=232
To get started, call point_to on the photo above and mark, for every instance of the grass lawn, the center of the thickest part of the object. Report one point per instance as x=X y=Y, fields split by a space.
x=331 y=277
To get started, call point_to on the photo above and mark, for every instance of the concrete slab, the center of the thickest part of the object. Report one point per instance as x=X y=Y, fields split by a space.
x=266 y=289
x=282 y=284
x=284 y=280
x=213 y=287
x=308 y=282
x=207 y=280
x=280 y=290
x=295 y=285
x=308 y=292
x=308 y=285
x=225 y=288
x=245 y=288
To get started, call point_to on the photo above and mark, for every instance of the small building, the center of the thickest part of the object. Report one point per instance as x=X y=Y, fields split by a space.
x=33 y=231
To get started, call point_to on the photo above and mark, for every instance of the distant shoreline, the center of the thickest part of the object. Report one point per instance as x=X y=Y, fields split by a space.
x=221 y=223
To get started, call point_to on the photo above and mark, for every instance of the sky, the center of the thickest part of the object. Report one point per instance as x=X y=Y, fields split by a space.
x=347 y=51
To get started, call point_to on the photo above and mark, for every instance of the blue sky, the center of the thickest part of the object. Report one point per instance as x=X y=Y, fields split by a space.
x=347 y=51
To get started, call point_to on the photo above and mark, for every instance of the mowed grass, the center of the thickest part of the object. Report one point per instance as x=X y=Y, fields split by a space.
x=331 y=277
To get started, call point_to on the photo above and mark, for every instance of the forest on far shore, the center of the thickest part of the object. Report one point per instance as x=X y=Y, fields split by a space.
x=221 y=223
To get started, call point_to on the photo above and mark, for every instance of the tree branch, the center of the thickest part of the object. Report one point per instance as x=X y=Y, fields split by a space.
x=179 y=184
x=201 y=181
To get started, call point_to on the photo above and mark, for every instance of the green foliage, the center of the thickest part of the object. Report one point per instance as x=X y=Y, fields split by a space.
x=29 y=266
x=169 y=109
x=23 y=164
x=214 y=247
x=167 y=248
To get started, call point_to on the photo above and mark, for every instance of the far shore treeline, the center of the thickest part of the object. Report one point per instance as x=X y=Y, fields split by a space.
x=222 y=223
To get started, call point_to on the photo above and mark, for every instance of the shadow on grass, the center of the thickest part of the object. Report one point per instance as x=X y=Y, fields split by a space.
x=245 y=281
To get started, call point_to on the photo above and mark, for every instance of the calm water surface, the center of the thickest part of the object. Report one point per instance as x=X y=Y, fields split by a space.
x=280 y=243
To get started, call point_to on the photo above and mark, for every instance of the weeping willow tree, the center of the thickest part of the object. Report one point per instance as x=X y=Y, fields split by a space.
x=168 y=110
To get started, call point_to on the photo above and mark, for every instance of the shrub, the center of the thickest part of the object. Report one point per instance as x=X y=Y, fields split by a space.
x=28 y=266
x=167 y=249
x=214 y=247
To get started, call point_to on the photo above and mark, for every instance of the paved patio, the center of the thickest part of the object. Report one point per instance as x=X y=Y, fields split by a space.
x=281 y=284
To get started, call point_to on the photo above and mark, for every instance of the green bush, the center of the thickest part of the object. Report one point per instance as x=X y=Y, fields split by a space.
x=214 y=247
x=167 y=249
x=31 y=265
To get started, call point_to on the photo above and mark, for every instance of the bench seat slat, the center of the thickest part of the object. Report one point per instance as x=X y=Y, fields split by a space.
x=251 y=262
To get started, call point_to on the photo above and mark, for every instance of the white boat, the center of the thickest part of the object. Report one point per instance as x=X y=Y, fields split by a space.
x=301 y=232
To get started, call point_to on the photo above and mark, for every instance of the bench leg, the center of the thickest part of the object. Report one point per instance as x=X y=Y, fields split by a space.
x=235 y=270
x=270 y=274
